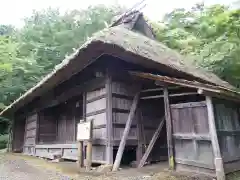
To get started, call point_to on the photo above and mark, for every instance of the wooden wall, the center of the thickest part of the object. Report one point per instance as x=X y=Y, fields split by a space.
x=122 y=96
x=67 y=121
x=228 y=130
x=18 y=134
x=149 y=114
x=30 y=134
x=47 y=127
x=192 y=143
x=96 y=111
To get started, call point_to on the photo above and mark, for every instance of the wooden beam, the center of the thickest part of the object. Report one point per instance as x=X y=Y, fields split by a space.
x=151 y=144
x=96 y=112
x=140 y=137
x=159 y=89
x=218 y=95
x=228 y=132
x=169 y=128
x=170 y=95
x=220 y=174
x=194 y=163
x=77 y=90
x=125 y=133
x=109 y=125
x=96 y=98
x=204 y=137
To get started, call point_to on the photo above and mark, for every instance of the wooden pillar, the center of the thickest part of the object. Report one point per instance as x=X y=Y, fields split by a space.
x=139 y=150
x=169 y=128
x=80 y=154
x=89 y=150
x=109 y=137
x=80 y=143
x=125 y=133
x=220 y=174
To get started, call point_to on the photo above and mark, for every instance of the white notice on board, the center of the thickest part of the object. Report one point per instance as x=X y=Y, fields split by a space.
x=84 y=131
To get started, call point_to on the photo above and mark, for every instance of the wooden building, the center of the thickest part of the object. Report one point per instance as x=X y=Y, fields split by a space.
x=145 y=102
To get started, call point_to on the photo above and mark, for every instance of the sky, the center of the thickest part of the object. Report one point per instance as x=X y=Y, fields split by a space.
x=13 y=11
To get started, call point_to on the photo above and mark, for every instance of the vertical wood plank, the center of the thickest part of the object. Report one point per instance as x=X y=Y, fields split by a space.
x=214 y=139
x=89 y=150
x=169 y=128
x=125 y=133
x=139 y=151
x=194 y=131
x=84 y=105
x=151 y=144
x=80 y=143
x=37 y=132
x=109 y=126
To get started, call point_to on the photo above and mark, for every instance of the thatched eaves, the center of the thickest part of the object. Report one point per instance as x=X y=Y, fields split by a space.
x=128 y=46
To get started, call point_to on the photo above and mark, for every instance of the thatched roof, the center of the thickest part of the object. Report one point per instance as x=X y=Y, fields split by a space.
x=126 y=45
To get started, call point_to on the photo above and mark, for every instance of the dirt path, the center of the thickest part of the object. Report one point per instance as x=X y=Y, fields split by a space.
x=19 y=167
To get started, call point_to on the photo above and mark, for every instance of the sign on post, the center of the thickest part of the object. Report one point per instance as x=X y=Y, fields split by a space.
x=84 y=131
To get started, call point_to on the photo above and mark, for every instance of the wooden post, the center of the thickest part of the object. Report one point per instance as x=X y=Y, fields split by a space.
x=151 y=144
x=220 y=174
x=80 y=154
x=80 y=143
x=139 y=150
x=125 y=133
x=89 y=150
x=89 y=156
x=169 y=128
x=109 y=134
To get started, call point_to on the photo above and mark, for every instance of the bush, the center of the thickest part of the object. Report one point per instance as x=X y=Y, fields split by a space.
x=3 y=141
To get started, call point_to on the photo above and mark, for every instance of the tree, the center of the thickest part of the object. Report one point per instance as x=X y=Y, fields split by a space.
x=209 y=35
x=29 y=53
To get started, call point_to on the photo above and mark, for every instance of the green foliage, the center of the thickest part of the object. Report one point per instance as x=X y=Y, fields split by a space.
x=3 y=141
x=29 y=53
x=209 y=35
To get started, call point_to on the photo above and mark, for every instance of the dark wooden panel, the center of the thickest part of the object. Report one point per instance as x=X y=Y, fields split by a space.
x=228 y=130
x=18 y=135
x=30 y=132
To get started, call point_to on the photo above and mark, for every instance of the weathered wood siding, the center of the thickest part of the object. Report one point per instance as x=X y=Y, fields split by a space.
x=228 y=131
x=30 y=134
x=96 y=111
x=18 y=134
x=122 y=94
x=149 y=114
x=66 y=125
x=192 y=144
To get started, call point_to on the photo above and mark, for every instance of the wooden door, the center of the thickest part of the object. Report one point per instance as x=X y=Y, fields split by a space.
x=192 y=143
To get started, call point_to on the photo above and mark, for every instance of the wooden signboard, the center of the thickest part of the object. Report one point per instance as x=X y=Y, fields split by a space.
x=84 y=131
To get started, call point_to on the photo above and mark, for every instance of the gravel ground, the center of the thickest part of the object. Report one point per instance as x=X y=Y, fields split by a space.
x=19 y=167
